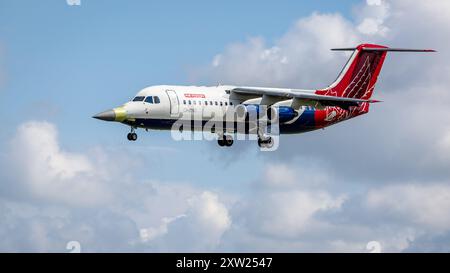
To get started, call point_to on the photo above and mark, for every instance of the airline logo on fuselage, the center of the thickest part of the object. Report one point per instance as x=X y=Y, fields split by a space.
x=189 y=95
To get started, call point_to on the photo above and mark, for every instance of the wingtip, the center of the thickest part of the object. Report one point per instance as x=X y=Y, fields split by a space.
x=426 y=50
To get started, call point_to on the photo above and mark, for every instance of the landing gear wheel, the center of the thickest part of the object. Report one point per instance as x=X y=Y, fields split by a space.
x=269 y=143
x=132 y=137
x=265 y=143
x=228 y=141
x=225 y=140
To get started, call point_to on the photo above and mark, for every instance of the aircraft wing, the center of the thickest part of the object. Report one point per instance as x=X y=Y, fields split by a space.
x=270 y=96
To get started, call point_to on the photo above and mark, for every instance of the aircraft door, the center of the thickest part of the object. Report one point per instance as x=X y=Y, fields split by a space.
x=174 y=103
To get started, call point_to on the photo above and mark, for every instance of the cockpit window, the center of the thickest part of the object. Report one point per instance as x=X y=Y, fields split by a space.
x=149 y=99
x=156 y=98
x=139 y=98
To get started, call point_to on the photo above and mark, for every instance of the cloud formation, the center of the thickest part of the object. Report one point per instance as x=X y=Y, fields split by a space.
x=420 y=205
x=51 y=196
x=49 y=172
x=296 y=59
x=289 y=208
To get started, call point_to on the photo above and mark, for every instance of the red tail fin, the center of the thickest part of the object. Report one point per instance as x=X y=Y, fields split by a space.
x=357 y=80
x=359 y=75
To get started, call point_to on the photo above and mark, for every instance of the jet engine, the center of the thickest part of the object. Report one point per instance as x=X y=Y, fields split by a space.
x=272 y=113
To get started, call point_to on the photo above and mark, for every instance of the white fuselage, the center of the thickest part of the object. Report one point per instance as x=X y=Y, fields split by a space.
x=188 y=102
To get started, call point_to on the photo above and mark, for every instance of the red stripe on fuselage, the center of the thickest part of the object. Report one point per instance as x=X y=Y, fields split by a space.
x=319 y=118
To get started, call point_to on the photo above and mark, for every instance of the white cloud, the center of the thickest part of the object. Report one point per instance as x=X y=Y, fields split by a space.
x=294 y=59
x=286 y=201
x=300 y=57
x=49 y=172
x=443 y=145
x=285 y=176
x=279 y=175
x=200 y=228
x=370 y=26
x=291 y=209
x=374 y=2
x=211 y=216
x=91 y=198
x=290 y=214
x=425 y=205
x=148 y=234
x=372 y=18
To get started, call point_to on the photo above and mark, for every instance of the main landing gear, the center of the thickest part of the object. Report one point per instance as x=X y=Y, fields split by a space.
x=265 y=142
x=225 y=140
x=132 y=136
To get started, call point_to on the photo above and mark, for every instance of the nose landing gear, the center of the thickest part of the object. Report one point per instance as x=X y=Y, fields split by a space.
x=225 y=140
x=132 y=136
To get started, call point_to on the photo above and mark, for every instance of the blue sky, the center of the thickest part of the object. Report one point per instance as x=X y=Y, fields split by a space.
x=65 y=176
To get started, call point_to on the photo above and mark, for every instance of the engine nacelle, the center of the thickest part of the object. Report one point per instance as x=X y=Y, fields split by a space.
x=252 y=112
x=285 y=113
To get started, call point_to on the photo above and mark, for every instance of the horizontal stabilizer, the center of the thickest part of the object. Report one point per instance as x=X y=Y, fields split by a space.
x=384 y=49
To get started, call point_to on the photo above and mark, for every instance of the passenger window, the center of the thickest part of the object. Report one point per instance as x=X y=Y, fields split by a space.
x=195 y=102
x=184 y=101
x=221 y=104
x=206 y=102
x=139 y=98
x=231 y=103
x=156 y=99
x=226 y=103
x=149 y=99
x=199 y=102
x=210 y=102
x=189 y=102
x=216 y=103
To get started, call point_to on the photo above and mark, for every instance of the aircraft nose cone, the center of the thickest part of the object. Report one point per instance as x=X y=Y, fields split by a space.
x=109 y=115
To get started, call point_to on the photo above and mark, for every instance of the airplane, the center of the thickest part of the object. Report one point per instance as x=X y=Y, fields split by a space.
x=291 y=110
